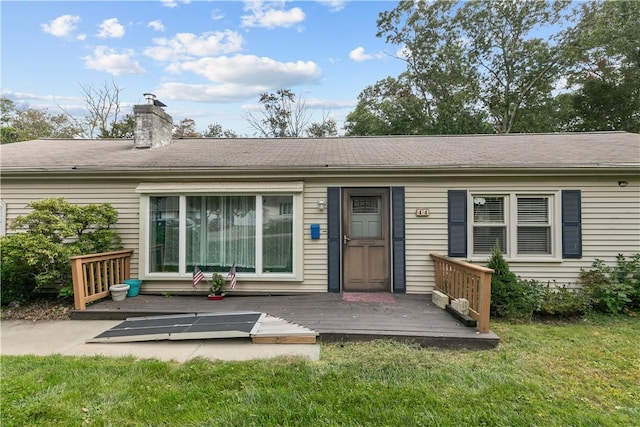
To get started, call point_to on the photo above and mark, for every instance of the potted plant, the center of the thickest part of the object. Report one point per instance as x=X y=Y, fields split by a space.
x=215 y=286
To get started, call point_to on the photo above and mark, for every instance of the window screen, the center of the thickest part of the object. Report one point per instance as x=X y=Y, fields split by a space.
x=534 y=229
x=489 y=224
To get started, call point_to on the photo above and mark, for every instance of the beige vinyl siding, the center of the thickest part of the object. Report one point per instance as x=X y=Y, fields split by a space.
x=610 y=222
x=16 y=194
x=610 y=215
x=315 y=250
x=604 y=235
x=424 y=235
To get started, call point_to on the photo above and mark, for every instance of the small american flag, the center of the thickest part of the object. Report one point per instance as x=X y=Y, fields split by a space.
x=232 y=275
x=198 y=275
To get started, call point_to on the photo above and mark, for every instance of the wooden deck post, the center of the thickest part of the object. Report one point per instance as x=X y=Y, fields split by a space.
x=104 y=269
x=460 y=279
x=79 y=284
x=484 y=303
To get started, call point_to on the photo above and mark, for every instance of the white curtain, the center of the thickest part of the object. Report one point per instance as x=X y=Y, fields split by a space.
x=221 y=230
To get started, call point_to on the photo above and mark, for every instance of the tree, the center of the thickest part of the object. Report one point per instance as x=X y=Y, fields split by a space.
x=389 y=107
x=396 y=107
x=185 y=129
x=38 y=256
x=439 y=82
x=516 y=69
x=551 y=114
x=481 y=54
x=103 y=107
x=215 y=130
x=31 y=123
x=606 y=58
x=283 y=115
x=327 y=127
x=125 y=128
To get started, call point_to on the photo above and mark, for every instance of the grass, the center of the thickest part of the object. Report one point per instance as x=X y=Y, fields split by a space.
x=584 y=374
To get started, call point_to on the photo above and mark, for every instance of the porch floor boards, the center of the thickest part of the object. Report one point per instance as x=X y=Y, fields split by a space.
x=412 y=318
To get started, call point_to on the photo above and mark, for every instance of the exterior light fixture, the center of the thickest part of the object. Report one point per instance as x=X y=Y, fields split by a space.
x=623 y=183
x=322 y=204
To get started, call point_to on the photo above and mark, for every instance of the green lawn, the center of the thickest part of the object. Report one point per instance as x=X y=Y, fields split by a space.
x=585 y=374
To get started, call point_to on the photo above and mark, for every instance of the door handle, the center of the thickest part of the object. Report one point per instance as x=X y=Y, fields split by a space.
x=345 y=239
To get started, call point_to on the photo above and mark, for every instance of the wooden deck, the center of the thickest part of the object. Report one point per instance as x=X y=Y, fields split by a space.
x=405 y=317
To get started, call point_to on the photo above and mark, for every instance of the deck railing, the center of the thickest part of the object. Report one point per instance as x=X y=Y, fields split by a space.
x=460 y=279
x=93 y=274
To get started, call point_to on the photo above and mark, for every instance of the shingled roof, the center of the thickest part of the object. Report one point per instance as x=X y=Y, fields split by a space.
x=561 y=150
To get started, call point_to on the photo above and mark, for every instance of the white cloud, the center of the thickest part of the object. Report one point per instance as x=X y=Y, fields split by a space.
x=267 y=16
x=111 y=28
x=359 y=55
x=62 y=26
x=329 y=104
x=334 y=5
x=252 y=70
x=173 y=3
x=219 y=93
x=185 y=45
x=113 y=62
x=157 y=25
x=216 y=15
x=23 y=97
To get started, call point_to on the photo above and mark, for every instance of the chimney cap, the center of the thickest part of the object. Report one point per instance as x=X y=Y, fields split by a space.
x=151 y=100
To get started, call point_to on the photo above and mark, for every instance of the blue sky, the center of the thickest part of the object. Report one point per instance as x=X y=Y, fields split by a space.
x=207 y=60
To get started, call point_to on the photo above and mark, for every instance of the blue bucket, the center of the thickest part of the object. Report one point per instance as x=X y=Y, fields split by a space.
x=134 y=287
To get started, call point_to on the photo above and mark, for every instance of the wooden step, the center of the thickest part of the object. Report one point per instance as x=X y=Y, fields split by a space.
x=275 y=330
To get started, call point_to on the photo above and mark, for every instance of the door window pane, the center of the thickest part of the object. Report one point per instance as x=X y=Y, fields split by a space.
x=277 y=234
x=164 y=214
x=366 y=216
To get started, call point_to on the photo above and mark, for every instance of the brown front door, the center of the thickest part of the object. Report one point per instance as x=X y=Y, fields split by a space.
x=365 y=226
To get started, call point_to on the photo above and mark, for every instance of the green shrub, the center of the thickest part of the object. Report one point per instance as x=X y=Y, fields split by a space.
x=38 y=257
x=563 y=302
x=511 y=297
x=613 y=289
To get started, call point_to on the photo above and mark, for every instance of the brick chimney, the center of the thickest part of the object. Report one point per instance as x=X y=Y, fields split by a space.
x=154 y=127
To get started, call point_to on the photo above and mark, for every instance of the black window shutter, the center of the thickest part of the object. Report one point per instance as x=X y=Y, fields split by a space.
x=571 y=224
x=333 y=239
x=398 y=240
x=457 y=222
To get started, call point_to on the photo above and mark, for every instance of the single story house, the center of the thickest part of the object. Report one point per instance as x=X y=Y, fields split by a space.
x=344 y=213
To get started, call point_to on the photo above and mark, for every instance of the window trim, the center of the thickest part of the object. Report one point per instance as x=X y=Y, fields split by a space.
x=511 y=220
x=241 y=189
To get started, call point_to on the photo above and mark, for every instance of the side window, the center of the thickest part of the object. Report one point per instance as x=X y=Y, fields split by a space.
x=534 y=226
x=520 y=224
x=489 y=224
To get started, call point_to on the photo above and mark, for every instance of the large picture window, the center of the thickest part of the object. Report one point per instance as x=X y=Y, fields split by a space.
x=215 y=231
x=521 y=225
